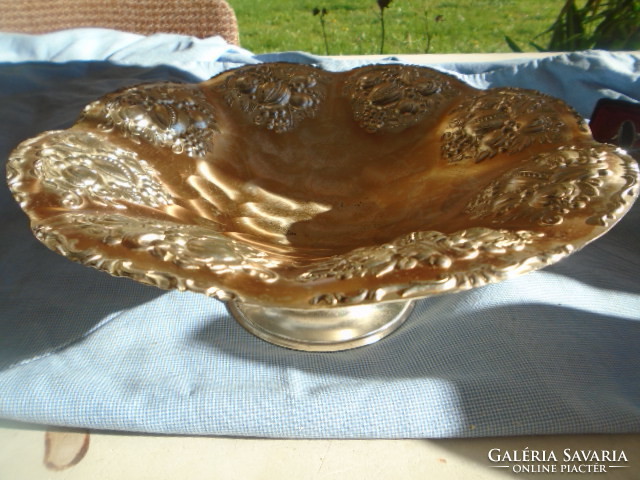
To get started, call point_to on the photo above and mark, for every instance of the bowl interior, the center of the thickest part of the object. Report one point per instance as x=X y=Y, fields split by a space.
x=286 y=185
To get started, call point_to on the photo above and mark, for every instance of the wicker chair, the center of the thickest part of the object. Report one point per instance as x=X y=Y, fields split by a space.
x=199 y=18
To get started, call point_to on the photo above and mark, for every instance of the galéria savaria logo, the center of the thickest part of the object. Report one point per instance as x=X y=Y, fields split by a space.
x=568 y=460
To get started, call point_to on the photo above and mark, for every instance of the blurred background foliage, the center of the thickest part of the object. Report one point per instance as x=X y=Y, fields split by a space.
x=357 y=27
x=607 y=25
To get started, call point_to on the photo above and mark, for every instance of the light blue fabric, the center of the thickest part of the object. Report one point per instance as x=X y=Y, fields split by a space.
x=552 y=352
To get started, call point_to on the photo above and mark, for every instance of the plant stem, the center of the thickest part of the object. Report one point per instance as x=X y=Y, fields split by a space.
x=381 y=31
x=324 y=35
x=427 y=32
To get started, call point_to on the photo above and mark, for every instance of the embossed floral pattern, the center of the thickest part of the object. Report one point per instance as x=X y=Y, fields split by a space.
x=549 y=187
x=191 y=248
x=419 y=249
x=502 y=120
x=394 y=97
x=462 y=260
x=166 y=115
x=475 y=275
x=276 y=98
x=81 y=167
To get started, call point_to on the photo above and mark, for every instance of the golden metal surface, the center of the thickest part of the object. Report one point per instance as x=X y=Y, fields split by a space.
x=283 y=186
x=325 y=330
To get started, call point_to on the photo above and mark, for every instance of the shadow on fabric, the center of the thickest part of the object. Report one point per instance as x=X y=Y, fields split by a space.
x=46 y=301
x=516 y=369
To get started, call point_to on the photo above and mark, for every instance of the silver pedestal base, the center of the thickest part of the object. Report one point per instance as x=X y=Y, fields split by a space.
x=326 y=330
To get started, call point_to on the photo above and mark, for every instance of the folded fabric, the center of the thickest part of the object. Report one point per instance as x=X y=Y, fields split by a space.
x=550 y=352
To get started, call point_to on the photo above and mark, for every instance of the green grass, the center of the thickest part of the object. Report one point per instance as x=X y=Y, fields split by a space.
x=353 y=26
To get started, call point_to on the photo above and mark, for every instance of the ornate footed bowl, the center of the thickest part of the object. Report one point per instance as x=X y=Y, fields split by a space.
x=320 y=205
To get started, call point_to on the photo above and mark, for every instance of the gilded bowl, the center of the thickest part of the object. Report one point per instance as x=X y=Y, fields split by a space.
x=319 y=204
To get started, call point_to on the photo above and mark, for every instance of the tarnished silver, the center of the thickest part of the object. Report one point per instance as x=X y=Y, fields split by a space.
x=320 y=204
